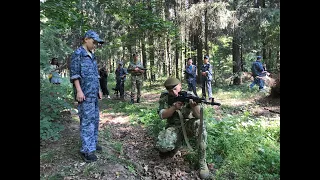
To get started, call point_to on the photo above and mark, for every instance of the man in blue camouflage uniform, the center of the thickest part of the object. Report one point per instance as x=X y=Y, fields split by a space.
x=191 y=76
x=85 y=78
x=136 y=77
x=121 y=74
x=258 y=72
x=170 y=139
x=206 y=77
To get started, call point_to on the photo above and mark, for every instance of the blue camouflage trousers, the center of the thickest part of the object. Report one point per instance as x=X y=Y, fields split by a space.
x=257 y=81
x=192 y=85
x=89 y=124
x=206 y=85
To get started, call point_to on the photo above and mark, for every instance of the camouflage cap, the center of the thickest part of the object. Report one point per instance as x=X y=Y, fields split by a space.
x=171 y=82
x=94 y=36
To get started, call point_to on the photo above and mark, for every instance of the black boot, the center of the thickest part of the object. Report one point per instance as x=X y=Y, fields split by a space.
x=89 y=157
x=138 y=100
x=132 y=101
x=98 y=148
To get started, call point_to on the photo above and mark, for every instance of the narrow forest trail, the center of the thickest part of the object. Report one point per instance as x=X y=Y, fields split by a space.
x=128 y=149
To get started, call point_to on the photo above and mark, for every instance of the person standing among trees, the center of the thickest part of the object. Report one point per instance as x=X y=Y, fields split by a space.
x=191 y=76
x=206 y=77
x=103 y=72
x=136 y=77
x=84 y=76
x=121 y=74
x=54 y=72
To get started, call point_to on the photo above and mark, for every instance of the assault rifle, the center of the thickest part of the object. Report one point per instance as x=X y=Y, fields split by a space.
x=183 y=96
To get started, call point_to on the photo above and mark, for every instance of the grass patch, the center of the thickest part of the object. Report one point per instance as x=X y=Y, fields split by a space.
x=246 y=147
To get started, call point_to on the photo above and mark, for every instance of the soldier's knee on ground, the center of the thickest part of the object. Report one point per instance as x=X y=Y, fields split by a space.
x=167 y=140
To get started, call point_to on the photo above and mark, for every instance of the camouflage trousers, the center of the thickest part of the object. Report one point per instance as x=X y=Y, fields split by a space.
x=172 y=137
x=136 y=83
x=206 y=86
x=88 y=111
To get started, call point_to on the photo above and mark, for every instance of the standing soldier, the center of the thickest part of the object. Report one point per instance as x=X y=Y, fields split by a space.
x=206 y=77
x=84 y=76
x=136 y=70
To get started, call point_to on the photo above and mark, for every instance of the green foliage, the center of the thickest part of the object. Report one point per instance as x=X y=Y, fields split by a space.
x=150 y=118
x=118 y=147
x=63 y=14
x=49 y=129
x=245 y=147
x=54 y=99
x=221 y=60
x=47 y=156
x=51 y=45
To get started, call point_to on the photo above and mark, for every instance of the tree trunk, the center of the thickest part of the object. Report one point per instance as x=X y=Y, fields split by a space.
x=206 y=47
x=168 y=56
x=278 y=60
x=151 y=57
x=177 y=47
x=236 y=58
x=236 y=50
x=241 y=55
x=268 y=64
x=167 y=17
x=144 y=56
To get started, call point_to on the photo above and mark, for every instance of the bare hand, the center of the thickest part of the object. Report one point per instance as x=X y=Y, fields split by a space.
x=192 y=103
x=80 y=96
x=136 y=69
x=178 y=105
x=204 y=73
x=142 y=71
x=100 y=95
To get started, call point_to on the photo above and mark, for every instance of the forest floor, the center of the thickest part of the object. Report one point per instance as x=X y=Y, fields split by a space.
x=128 y=149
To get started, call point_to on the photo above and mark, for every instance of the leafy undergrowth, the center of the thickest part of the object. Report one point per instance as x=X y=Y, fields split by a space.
x=243 y=141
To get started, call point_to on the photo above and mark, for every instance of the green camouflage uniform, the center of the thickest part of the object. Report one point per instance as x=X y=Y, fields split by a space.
x=172 y=136
x=136 y=79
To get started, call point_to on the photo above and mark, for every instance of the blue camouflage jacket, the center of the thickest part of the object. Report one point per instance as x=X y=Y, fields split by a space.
x=206 y=68
x=120 y=72
x=85 y=68
x=257 y=68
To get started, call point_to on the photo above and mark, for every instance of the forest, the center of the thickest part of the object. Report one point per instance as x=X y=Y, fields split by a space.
x=243 y=133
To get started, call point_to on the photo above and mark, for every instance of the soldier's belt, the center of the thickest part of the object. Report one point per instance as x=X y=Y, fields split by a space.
x=91 y=99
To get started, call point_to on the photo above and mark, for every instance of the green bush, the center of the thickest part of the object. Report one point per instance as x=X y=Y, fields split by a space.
x=53 y=100
x=244 y=148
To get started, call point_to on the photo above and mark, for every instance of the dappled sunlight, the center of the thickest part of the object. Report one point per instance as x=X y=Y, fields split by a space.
x=151 y=98
x=119 y=118
x=235 y=102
